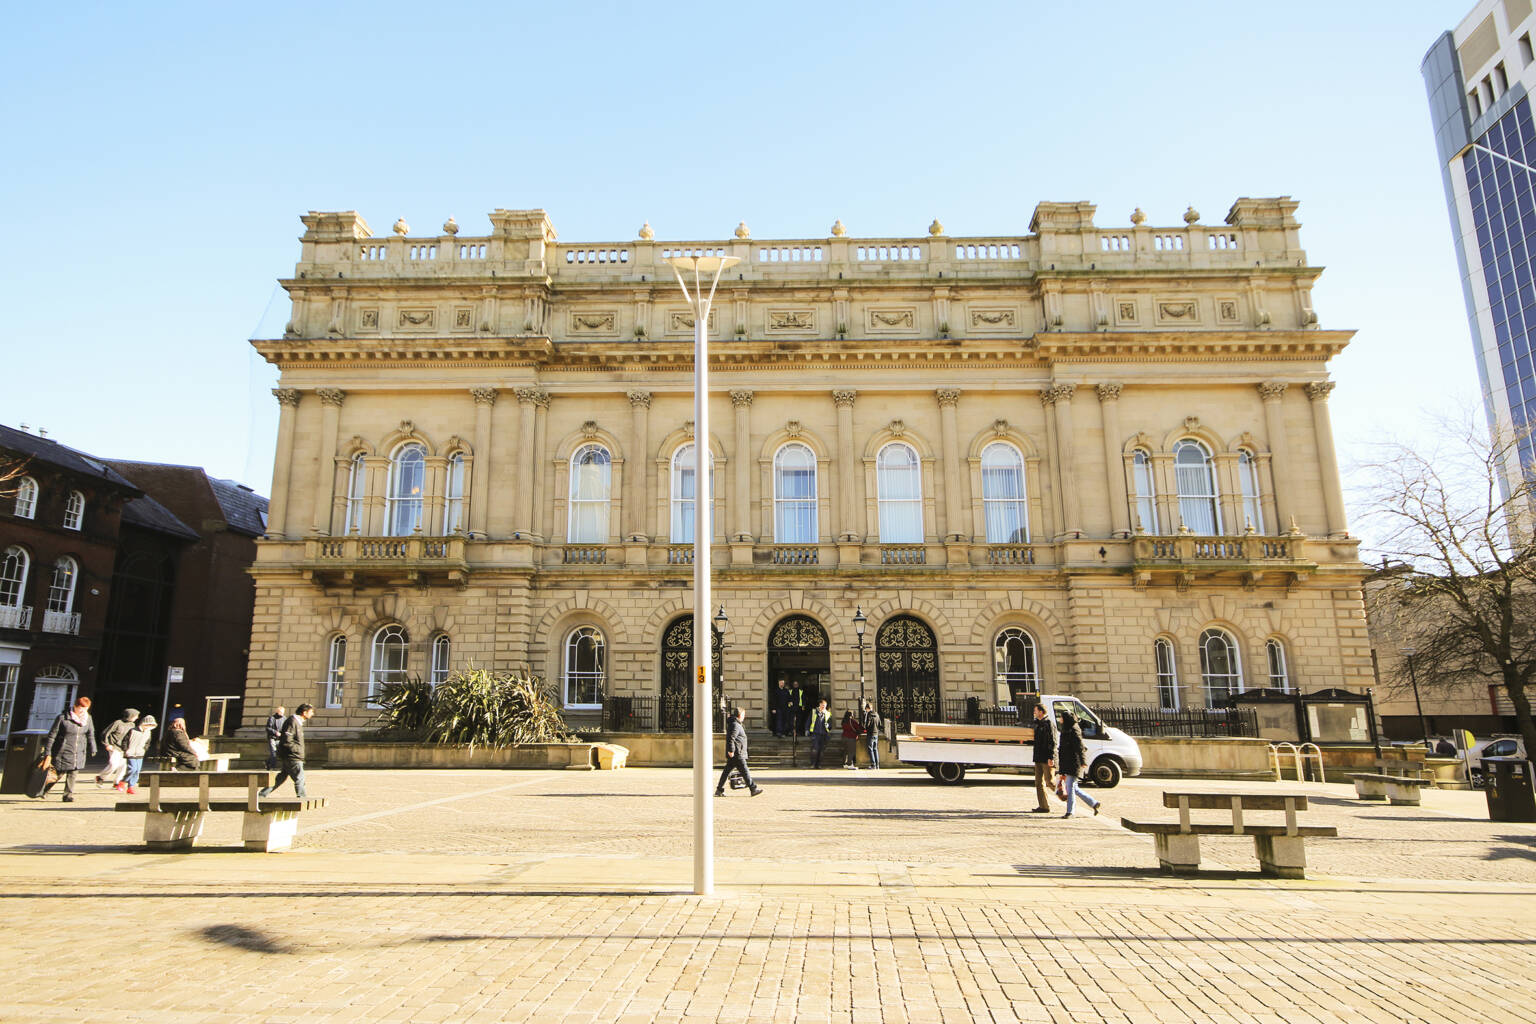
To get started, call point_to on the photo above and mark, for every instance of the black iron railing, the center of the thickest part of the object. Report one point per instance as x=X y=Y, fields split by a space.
x=971 y=711
x=629 y=714
x=1190 y=722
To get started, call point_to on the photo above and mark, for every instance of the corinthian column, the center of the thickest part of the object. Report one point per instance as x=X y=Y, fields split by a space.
x=1060 y=396
x=324 y=489
x=282 y=469
x=1114 y=462
x=741 y=495
x=847 y=510
x=529 y=402
x=1327 y=459
x=1273 y=394
x=480 y=474
x=637 y=483
x=954 y=513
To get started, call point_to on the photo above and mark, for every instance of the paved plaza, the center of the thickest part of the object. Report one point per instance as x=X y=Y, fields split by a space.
x=860 y=897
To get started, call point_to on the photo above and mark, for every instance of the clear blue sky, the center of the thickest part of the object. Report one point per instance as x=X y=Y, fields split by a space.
x=159 y=156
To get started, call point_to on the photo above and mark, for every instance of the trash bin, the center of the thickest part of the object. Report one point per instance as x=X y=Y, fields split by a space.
x=22 y=750
x=1510 y=797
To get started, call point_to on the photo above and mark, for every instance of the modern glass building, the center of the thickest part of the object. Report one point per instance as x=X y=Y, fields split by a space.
x=1479 y=77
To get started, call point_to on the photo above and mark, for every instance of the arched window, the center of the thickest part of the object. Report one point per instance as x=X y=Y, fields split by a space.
x=794 y=495
x=61 y=589
x=1198 y=498
x=1220 y=668
x=1167 y=674
x=442 y=649
x=357 y=491
x=389 y=660
x=1248 y=480
x=584 y=668
x=591 y=480
x=453 y=498
x=1279 y=669
x=407 y=483
x=13 y=584
x=1003 y=502
x=899 y=490
x=26 y=498
x=1145 y=497
x=335 y=670
x=74 y=511
x=684 y=490
x=1015 y=664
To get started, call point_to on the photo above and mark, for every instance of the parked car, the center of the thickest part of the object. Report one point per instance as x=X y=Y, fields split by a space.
x=1498 y=746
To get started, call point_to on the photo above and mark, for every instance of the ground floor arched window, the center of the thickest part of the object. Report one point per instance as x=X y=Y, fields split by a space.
x=1015 y=664
x=1220 y=668
x=584 y=668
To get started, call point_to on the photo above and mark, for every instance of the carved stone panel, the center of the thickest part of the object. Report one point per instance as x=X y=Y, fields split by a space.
x=994 y=319
x=594 y=323
x=1182 y=311
x=680 y=321
x=1127 y=311
x=791 y=321
x=890 y=320
x=368 y=319
x=1227 y=310
x=421 y=319
x=463 y=318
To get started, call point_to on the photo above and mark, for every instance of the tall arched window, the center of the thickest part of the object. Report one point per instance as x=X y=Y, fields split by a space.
x=335 y=670
x=1145 y=496
x=1199 y=505
x=442 y=650
x=794 y=495
x=685 y=491
x=1003 y=501
x=74 y=511
x=899 y=490
x=407 y=484
x=61 y=598
x=591 y=481
x=1167 y=674
x=1248 y=480
x=1279 y=668
x=584 y=667
x=13 y=589
x=453 y=497
x=1220 y=668
x=26 y=498
x=389 y=658
x=1015 y=664
x=357 y=491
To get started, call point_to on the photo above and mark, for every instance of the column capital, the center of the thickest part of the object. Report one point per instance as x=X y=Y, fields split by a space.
x=1056 y=392
x=1272 y=389
x=286 y=396
x=639 y=399
x=484 y=396
x=533 y=396
x=947 y=396
x=1108 y=391
x=1318 y=390
x=331 y=396
x=844 y=397
x=741 y=397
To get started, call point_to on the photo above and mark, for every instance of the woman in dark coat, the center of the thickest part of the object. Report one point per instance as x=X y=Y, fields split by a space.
x=178 y=747
x=71 y=742
x=1072 y=761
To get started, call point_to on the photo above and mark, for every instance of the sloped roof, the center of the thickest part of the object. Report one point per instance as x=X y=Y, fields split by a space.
x=147 y=513
x=244 y=509
x=42 y=449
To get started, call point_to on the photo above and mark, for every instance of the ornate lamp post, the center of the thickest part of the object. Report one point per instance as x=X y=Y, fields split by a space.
x=721 y=625
x=859 y=622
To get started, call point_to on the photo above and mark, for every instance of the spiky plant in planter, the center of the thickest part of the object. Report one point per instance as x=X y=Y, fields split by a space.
x=478 y=707
x=404 y=707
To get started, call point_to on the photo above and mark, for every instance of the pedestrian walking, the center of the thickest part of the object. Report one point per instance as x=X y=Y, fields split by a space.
x=869 y=724
x=1044 y=758
x=736 y=755
x=780 y=709
x=135 y=746
x=177 y=747
x=797 y=708
x=1071 y=761
x=290 y=751
x=71 y=742
x=820 y=730
x=274 y=727
x=850 y=741
x=113 y=739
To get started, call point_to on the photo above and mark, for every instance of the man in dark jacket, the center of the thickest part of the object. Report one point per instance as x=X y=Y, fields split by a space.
x=71 y=742
x=274 y=728
x=870 y=722
x=290 y=751
x=736 y=755
x=1045 y=758
x=781 y=726
x=177 y=747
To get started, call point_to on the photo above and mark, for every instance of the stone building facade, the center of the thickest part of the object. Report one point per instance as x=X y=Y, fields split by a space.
x=1095 y=460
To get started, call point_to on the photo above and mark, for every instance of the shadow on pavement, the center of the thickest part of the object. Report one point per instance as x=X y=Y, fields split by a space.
x=241 y=937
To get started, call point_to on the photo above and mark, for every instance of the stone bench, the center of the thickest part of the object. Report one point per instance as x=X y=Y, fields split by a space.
x=1280 y=848
x=1396 y=780
x=210 y=763
x=270 y=824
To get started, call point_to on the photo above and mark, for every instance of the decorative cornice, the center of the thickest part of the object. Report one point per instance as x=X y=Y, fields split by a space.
x=331 y=396
x=484 y=396
x=947 y=396
x=1272 y=389
x=741 y=398
x=1318 y=390
x=286 y=396
x=1108 y=391
x=844 y=397
x=639 y=399
x=533 y=396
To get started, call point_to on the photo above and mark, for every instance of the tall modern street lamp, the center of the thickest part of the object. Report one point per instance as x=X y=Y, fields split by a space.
x=698 y=268
x=1409 y=652
x=859 y=622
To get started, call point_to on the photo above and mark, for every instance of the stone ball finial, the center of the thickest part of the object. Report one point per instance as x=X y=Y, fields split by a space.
x=838 y=231
x=742 y=231
x=646 y=232
x=450 y=226
x=935 y=229
x=1191 y=215
x=1138 y=216
x=401 y=227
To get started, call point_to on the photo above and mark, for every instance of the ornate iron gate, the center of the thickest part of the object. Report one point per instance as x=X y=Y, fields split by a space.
x=798 y=652
x=907 y=671
x=677 y=676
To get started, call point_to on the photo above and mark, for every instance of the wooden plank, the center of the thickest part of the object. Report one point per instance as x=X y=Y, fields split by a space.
x=974 y=733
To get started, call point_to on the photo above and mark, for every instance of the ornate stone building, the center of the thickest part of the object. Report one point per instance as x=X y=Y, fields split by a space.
x=1091 y=459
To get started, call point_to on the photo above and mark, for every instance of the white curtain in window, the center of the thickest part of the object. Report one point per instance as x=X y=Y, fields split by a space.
x=1196 y=475
x=1003 y=500
x=591 y=475
x=1167 y=674
x=1248 y=478
x=584 y=668
x=453 y=499
x=407 y=483
x=898 y=482
x=1220 y=669
x=794 y=495
x=684 y=492
x=357 y=489
x=1146 y=492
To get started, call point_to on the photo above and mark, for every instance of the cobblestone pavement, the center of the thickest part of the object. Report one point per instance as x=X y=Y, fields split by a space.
x=842 y=896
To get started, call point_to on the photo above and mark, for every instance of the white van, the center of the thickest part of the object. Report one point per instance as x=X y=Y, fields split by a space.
x=947 y=752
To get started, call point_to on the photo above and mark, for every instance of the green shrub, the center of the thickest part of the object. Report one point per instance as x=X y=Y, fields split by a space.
x=478 y=707
x=404 y=707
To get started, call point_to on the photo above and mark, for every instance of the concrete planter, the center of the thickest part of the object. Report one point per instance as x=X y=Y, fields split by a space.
x=335 y=752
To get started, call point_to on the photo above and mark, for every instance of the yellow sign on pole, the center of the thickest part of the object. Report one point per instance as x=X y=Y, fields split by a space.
x=701 y=675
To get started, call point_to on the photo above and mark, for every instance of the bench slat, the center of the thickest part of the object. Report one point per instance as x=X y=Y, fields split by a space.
x=1208 y=801
x=309 y=803
x=1211 y=829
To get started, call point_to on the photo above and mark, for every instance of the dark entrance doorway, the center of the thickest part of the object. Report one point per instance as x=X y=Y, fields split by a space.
x=798 y=652
x=677 y=676
x=907 y=671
